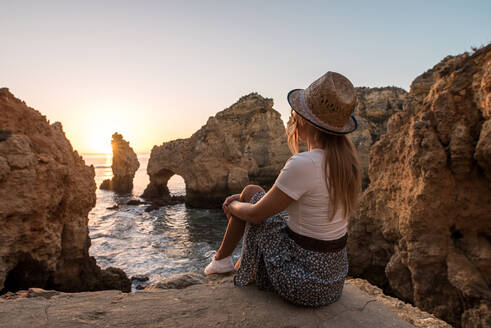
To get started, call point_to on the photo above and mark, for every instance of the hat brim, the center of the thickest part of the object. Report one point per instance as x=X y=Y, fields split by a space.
x=293 y=98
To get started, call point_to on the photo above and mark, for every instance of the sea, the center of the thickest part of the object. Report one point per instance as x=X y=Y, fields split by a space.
x=157 y=244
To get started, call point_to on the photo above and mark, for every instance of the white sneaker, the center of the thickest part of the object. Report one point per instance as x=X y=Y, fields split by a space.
x=220 y=266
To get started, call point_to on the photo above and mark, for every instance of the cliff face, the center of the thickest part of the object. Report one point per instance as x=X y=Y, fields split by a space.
x=242 y=144
x=373 y=109
x=124 y=166
x=46 y=192
x=424 y=227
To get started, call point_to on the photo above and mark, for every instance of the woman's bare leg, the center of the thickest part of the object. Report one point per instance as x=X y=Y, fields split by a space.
x=237 y=264
x=236 y=226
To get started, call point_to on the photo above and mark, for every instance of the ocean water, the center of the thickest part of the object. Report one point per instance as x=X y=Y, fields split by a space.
x=158 y=244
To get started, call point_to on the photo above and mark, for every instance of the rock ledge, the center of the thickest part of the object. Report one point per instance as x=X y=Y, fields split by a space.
x=215 y=304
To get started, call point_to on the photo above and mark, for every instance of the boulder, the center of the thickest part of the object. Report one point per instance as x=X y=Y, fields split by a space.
x=46 y=193
x=124 y=166
x=423 y=232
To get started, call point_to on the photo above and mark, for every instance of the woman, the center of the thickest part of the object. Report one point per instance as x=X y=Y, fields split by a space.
x=301 y=253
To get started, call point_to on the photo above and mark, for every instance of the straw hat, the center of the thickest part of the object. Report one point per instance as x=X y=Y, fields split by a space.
x=328 y=103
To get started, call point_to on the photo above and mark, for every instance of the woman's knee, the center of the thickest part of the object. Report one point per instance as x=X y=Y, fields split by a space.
x=249 y=191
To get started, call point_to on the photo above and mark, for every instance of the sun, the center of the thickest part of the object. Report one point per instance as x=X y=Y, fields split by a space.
x=99 y=137
x=112 y=116
x=100 y=142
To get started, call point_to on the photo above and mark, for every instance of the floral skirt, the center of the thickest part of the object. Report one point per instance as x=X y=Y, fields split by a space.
x=274 y=262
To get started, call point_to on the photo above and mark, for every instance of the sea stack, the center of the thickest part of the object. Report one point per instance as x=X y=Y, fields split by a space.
x=124 y=165
x=46 y=193
x=424 y=228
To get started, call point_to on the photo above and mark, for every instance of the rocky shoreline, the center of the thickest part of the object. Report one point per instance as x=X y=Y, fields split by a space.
x=422 y=232
x=46 y=193
x=153 y=204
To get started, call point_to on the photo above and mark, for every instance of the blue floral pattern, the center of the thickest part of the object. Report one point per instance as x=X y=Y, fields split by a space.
x=274 y=262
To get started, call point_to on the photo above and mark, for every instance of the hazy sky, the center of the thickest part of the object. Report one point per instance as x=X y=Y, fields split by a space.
x=156 y=70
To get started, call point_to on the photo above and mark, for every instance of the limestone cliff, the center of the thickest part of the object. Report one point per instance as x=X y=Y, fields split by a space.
x=124 y=166
x=373 y=108
x=46 y=193
x=242 y=144
x=424 y=227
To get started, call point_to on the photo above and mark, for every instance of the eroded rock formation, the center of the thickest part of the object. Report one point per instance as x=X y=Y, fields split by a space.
x=424 y=227
x=46 y=193
x=373 y=109
x=242 y=144
x=124 y=165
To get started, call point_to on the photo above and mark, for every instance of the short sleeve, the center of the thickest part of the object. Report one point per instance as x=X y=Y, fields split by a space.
x=295 y=178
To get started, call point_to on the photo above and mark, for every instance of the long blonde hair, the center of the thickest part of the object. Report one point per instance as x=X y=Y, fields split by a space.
x=341 y=163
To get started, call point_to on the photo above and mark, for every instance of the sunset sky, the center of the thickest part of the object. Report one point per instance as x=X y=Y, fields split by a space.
x=156 y=70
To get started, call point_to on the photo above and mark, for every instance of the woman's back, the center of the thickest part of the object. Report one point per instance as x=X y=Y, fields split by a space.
x=303 y=179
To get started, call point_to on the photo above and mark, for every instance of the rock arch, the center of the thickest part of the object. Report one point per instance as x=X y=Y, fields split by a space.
x=157 y=188
x=242 y=144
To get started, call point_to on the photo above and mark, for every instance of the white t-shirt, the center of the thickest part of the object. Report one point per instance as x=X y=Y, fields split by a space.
x=303 y=179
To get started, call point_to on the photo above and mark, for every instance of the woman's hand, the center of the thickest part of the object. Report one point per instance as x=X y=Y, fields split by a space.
x=227 y=202
x=274 y=201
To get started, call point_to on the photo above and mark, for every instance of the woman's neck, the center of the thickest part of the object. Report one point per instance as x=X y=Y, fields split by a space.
x=311 y=146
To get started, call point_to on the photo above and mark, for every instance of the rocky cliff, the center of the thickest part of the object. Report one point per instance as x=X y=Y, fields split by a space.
x=124 y=166
x=424 y=227
x=373 y=108
x=242 y=144
x=46 y=193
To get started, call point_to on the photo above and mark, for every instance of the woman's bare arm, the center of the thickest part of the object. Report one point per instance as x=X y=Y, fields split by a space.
x=272 y=203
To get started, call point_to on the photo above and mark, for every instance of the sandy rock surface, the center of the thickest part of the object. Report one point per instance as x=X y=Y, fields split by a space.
x=46 y=193
x=124 y=166
x=215 y=304
x=424 y=227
